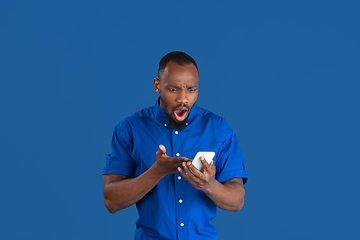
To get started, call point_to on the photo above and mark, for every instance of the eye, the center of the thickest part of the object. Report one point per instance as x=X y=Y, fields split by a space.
x=192 y=89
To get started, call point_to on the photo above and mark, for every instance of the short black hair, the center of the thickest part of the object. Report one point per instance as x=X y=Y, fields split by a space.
x=178 y=57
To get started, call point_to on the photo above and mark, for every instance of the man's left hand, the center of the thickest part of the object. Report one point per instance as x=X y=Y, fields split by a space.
x=200 y=180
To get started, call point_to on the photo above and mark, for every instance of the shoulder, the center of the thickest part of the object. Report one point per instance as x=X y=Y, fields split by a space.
x=137 y=119
x=206 y=114
x=209 y=117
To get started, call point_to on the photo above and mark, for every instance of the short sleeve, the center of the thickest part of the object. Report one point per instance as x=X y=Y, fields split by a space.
x=120 y=160
x=230 y=163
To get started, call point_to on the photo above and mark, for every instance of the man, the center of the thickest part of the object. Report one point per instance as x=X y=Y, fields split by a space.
x=151 y=160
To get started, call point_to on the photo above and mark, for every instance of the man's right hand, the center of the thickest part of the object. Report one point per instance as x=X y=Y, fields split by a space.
x=168 y=164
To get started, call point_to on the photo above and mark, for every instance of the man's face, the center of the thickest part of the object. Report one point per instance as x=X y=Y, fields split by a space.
x=178 y=88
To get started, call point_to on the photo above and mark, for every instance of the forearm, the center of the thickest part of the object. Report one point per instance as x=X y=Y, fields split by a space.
x=227 y=196
x=124 y=193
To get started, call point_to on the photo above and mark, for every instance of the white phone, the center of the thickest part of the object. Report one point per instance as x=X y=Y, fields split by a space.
x=208 y=157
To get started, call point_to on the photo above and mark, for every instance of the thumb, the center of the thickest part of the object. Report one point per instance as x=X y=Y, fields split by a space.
x=162 y=150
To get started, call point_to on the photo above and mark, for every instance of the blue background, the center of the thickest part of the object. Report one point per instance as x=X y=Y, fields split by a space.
x=284 y=74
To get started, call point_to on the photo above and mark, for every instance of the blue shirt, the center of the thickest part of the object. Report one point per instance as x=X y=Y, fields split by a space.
x=174 y=209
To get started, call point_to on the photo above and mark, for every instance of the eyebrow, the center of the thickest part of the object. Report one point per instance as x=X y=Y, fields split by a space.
x=173 y=86
x=177 y=87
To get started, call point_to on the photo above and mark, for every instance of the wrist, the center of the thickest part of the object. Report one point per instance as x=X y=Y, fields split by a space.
x=211 y=187
x=157 y=171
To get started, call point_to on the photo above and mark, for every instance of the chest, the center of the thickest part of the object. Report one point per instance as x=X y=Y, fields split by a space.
x=184 y=143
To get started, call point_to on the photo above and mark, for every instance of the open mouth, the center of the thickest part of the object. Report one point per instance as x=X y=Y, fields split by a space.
x=180 y=114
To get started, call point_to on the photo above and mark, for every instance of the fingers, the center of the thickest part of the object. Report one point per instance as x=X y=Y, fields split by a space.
x=204 y=163
x=208 y=168
x=181 y=159
x=191 y=174
x=200 y=180
x=187 y=171
x=190 y=168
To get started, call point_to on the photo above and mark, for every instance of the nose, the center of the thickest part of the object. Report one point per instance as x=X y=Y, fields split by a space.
x=182 y=96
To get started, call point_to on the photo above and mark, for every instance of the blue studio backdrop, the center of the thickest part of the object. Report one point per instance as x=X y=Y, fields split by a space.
x=284 y=74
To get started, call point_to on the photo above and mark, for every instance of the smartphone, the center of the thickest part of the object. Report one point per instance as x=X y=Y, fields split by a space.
x=208 y=157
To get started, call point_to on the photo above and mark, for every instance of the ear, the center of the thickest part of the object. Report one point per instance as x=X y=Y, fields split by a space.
x=157 y=85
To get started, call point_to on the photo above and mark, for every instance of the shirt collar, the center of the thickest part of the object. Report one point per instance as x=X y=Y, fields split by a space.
x=161 y=116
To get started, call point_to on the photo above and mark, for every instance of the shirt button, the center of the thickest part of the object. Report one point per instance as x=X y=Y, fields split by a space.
x=179 y=177
x=176 y=132
x=178 y=154
x=165 y=125
x=187 y=124
x=182 y=224
x=180 y=201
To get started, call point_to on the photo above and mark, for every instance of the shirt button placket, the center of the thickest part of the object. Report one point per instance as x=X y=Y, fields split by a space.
x=179 y=189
